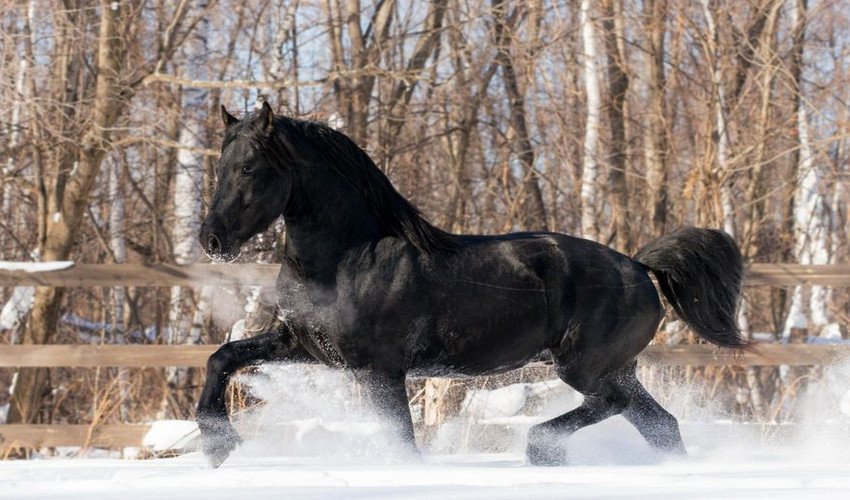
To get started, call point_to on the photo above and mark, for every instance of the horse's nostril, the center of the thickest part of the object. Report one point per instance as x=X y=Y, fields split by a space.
x=214 y=244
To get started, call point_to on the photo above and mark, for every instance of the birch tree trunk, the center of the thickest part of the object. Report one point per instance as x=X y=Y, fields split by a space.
x=723 y=175
x=15 y=125
x=810 y=223
x=590 y=172
x=20 y=303
x=118 y=245
x=184 y=325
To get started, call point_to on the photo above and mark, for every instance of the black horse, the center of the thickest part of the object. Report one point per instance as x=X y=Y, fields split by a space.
x=368 y=285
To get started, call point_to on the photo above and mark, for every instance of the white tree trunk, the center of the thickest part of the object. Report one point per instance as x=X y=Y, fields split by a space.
x=811 y=224
x=20 y=303
x=188 y=178
x=117 y=237
x=188 y=182
x=811 y=232
x=118 y=245
x=590 y=172
x=720 y=112
x=13 y=129
x=15 y=309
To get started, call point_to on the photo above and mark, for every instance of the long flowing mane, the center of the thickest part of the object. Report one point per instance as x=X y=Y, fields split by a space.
x=395 y=214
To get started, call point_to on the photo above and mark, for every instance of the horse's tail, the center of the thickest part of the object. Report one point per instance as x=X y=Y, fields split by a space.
x=700 y=271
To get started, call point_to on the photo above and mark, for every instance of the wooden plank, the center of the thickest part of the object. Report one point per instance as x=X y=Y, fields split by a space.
x=759 y=355
x=157 y=356
x=106 y=436
x=787 y=275
x=88 y=356
x=92 y=275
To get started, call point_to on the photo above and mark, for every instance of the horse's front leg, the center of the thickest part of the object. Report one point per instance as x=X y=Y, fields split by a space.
x=218 y=436
x=389 y=397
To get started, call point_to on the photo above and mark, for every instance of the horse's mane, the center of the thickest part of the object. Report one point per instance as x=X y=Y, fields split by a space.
x=396 y=215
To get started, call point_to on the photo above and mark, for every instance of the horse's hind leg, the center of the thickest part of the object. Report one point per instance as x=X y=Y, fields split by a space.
x=655 y=424
x=603 y=398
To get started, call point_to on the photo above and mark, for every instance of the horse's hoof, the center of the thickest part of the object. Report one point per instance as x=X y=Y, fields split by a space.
x=219 y=438
x=218 y=447
x=544 y=450
x=547 y=456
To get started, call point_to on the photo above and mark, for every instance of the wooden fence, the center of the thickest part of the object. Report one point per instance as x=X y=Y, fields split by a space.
x=97 y=275
x=161 y=356
x=94 y=275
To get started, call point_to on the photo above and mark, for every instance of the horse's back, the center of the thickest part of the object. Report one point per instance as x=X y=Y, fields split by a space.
x=502 y=300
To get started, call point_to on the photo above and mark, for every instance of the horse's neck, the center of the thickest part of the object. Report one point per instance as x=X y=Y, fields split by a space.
x=320 y=238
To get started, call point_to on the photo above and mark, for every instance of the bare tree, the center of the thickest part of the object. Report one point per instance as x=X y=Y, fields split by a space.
x=532 y=210
x=618 y=86
x=590 y=172
x=655 y=128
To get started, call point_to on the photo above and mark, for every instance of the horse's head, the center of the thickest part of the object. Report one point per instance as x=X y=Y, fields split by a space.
x=253 y=185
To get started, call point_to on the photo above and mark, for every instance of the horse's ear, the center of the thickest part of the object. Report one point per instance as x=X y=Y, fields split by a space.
x=226 y=118
x=265 y=118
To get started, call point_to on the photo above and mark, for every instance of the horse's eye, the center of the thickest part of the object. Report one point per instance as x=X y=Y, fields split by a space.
x=248 y=169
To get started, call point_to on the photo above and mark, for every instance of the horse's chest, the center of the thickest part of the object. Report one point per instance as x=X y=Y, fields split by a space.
x=316 y=321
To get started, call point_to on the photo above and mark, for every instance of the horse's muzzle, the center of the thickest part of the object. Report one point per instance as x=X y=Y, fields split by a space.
x=215 y=240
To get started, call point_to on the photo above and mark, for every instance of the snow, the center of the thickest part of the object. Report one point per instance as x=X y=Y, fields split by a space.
x=94 y=332
x=35 y=267
x=237 y=331
x=16 y=307
x=831 y=331
x=762 y=474
x=844 y=403
x=171 y=435
x=505 y=401
x=336 y=121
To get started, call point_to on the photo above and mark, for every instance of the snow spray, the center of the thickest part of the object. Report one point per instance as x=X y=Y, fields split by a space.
x=312 y=411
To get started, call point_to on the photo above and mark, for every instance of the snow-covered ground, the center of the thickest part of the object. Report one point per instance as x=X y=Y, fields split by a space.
x=759 y=474
x=315 y=439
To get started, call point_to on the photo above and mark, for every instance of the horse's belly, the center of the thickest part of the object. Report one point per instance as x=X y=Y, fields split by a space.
x=484 y=348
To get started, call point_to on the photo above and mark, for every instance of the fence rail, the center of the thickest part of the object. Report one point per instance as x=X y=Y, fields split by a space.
x=93 y=275
x=50 y=435
x=159 y=356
